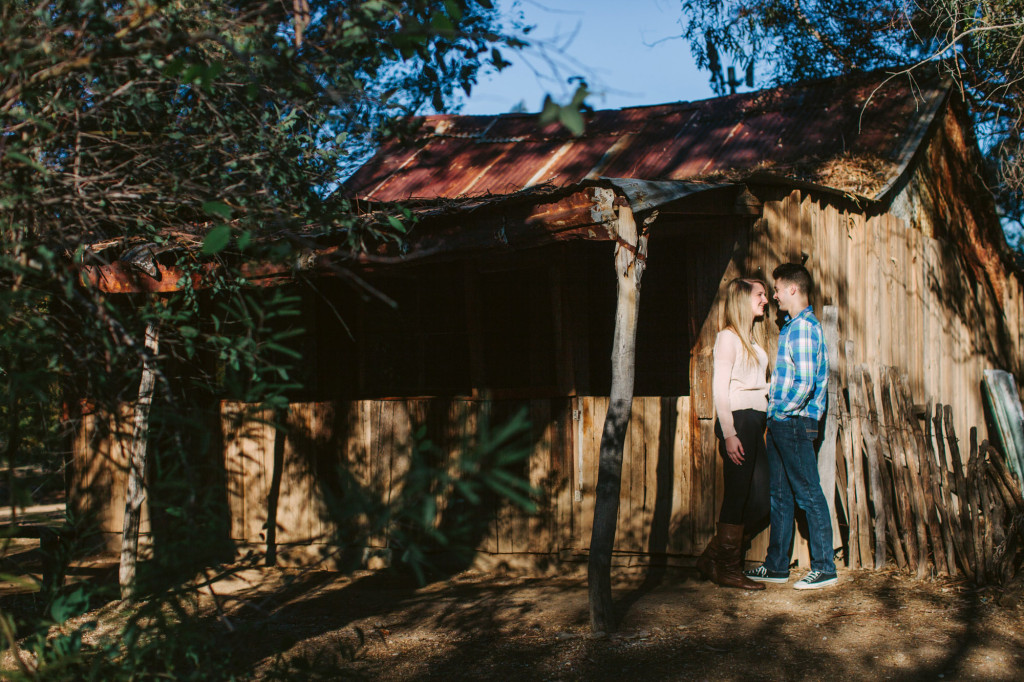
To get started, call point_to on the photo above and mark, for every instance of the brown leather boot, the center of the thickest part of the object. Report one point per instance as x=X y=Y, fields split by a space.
x=706 y=561
x=727 y=570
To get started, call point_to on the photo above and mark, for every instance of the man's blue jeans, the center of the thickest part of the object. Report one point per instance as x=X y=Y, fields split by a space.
x=793 y=468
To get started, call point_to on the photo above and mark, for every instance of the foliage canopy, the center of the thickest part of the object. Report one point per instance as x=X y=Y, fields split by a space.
x=189 y=132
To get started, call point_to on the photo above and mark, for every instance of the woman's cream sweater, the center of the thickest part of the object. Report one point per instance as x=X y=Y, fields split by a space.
x=738 y=383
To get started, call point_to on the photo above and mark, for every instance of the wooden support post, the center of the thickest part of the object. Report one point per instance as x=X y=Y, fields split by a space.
x=630 y=255
x=137 y=467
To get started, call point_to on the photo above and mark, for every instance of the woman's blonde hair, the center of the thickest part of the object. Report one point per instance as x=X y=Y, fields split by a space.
x=739 y=317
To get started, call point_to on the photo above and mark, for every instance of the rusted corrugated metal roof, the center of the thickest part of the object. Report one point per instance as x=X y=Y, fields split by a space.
x=854 y=134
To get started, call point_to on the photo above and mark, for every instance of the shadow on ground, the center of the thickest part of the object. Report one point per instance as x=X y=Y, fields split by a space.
x=482 y=626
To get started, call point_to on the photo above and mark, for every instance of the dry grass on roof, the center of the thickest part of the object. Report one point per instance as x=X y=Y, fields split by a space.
x=859 y=174
x=863 y=174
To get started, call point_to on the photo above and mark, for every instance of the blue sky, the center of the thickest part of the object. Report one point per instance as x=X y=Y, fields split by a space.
x=629 y=52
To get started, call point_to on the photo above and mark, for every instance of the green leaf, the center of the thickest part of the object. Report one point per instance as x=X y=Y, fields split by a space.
x=174 y=67
x=571 y=119
x=397 y=224
x=284 y=350
x=454 y=11
x=497 y=60
x=216 y=240
x=442 y=23
x=549 y=112
x=244 y=239
x=193 y=72
x=578 y=97
x=216 y=208
x=429 y=512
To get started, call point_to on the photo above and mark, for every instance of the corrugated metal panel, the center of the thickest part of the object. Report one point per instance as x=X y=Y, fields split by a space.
x=801 y=132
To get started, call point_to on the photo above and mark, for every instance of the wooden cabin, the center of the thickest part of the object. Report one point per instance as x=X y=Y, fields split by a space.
x=505 y=299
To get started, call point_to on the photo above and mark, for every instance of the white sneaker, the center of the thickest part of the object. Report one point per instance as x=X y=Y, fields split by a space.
x=816 y=580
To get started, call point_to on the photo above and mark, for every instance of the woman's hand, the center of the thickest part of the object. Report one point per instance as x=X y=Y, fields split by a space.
x=734 y=449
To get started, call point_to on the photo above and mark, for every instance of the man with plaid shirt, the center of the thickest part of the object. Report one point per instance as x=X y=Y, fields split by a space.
x=796 y=404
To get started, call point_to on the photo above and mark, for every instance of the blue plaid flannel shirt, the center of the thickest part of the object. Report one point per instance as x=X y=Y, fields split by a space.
x=799 y=383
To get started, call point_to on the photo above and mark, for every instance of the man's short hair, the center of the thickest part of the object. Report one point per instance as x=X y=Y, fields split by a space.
x=794 y=273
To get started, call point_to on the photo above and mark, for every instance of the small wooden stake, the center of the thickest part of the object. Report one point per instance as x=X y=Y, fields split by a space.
x=974 y=497
x=951 y=516
x=852 y=456
x=920 y=456
x=878 y=491
x=962 y=497
x=901 y=482
x=827 y=452
x=884 y=457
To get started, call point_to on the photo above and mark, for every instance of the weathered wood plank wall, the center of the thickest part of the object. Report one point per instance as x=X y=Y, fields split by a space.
x=99 y=477
x=275 y=478
x=373 y=440
x=905 y=300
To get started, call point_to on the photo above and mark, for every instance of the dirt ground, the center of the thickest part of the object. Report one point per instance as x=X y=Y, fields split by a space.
x=673 y=627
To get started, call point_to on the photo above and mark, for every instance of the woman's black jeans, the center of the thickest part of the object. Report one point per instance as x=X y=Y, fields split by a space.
x=746 y=498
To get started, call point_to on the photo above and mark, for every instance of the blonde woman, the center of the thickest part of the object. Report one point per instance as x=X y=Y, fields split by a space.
x=740 y=390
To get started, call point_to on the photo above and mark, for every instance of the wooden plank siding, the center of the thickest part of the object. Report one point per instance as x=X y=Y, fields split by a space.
x=904 y=298
x=907 y=298
x=280 y=476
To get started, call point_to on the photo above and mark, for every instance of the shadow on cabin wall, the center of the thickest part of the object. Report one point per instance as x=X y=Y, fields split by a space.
x=187 y=494
x=390 y=488
x=526 y=324
x=521 y=315
x=360 y=347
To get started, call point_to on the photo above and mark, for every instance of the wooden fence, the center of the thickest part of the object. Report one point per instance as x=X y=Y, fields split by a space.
x=668 y=495
x=913 y=494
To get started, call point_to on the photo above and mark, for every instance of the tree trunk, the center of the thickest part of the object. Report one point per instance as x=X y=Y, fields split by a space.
x=137 y=468
x=630 y=252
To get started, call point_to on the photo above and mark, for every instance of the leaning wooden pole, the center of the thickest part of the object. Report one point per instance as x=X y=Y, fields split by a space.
x=137 y=467
x=827 y=452
x=630 y=253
